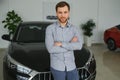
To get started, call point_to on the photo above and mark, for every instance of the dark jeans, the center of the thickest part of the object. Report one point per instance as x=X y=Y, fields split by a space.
x=62 y=75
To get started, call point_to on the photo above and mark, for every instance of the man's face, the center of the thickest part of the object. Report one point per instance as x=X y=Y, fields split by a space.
x=62 y=14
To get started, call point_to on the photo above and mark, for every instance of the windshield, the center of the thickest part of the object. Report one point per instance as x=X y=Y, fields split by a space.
x=32 y=33
x=118 y=26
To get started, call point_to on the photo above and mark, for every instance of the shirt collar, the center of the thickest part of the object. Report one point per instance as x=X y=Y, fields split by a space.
x=67 y=25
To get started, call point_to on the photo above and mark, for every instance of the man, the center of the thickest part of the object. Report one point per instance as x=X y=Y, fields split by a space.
x=62 y=38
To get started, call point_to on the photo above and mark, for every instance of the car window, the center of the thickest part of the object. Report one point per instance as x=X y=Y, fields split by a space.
x=32 y=33
x=118 y=26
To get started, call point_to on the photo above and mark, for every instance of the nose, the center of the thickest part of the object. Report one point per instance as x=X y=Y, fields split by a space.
x=62 y=15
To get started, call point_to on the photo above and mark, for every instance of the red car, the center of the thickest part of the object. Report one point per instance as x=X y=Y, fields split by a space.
x=112 y=37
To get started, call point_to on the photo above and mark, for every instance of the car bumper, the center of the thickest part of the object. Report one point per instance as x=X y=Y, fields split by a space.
x=12 y=75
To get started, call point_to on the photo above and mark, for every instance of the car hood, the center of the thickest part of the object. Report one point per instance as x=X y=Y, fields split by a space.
x=113 y=29
x=36 y=56
x=32 y=55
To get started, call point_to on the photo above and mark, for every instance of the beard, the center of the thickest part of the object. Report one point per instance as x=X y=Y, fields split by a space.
x=63 y=19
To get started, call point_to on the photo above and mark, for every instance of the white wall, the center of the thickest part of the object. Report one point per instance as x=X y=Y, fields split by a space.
x=106 y=13
x=3 y=10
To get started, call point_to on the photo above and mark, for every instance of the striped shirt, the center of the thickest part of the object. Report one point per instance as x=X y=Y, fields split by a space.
x=62 y=58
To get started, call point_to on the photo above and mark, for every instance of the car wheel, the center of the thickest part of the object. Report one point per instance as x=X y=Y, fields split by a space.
x=111 y=44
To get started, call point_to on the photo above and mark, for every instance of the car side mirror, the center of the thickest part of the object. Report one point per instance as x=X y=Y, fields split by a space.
x=6 y=37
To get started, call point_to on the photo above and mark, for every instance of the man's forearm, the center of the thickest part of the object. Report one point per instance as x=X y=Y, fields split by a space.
x=74 y=44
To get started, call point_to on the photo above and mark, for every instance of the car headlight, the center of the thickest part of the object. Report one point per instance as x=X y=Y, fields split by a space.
x=23 y=69
x=91 y=65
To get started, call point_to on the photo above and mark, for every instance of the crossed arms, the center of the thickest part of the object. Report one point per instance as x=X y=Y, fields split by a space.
x=60 y=47
x=74 y=39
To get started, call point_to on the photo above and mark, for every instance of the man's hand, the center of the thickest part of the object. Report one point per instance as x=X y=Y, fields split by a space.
x=74 y=39
x=57 y=44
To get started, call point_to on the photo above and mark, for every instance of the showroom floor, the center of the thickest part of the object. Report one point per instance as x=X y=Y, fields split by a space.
x=108 y=62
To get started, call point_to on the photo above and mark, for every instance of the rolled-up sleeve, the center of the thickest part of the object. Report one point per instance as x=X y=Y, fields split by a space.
x=49 y=41
x=74 y=45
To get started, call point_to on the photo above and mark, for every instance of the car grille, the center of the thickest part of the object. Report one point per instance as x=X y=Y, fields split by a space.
x=43 y=76
x=86 y=75
x=83 y=72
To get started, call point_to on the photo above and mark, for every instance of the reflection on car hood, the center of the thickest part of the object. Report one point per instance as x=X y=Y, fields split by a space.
x=35 y=55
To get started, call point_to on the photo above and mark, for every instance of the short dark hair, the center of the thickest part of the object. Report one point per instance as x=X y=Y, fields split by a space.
x=62 y=4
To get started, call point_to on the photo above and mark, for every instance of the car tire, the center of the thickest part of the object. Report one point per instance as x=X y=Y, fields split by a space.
x=111 y=44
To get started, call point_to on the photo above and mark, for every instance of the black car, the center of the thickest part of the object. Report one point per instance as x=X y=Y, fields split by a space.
x=27 y=58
